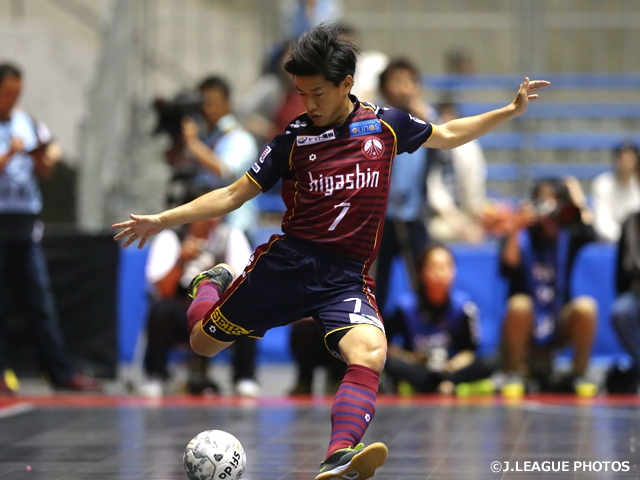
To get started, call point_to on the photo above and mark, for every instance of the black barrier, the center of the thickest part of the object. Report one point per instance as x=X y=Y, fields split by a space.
x=83 y=271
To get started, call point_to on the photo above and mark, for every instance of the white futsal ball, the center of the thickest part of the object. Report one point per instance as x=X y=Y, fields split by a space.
x=214 y=454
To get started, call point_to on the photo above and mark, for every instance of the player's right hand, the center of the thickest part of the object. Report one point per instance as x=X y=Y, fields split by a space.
x=139 y=227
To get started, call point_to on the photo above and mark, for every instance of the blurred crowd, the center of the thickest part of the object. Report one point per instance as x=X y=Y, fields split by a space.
x=436 y=198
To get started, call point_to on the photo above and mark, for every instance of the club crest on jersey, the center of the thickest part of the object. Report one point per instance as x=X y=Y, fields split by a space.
x=372 y=147
x=309 y=140
x=365 y=127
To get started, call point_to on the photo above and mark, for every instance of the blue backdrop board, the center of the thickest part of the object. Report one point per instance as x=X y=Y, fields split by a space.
x=477 y=274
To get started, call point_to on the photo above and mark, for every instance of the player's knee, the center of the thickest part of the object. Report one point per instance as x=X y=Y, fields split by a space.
x=585 y=307
x=364 y=345
x=205 y=345
x=520 y=304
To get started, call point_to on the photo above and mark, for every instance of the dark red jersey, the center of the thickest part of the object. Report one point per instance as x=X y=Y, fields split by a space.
x=335 y=179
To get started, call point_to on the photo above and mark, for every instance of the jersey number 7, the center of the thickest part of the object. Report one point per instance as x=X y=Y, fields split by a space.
x=345 y=208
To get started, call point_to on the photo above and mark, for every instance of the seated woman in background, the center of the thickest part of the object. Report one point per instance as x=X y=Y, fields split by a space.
x=440 y=331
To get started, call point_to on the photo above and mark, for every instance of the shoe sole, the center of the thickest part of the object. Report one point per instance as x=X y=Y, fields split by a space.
x=362 y=466
x=194 y=290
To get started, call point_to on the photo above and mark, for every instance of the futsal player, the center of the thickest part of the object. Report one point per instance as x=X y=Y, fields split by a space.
x=334 y=161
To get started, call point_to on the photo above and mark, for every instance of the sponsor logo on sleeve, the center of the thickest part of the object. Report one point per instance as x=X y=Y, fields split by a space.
x=417 y=120
x=255 y=167
x=264 y=154
x=365 y=127
x=309 y=140
x=298 y=124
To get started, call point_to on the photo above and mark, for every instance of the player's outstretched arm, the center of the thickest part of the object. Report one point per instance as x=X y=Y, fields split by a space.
x=462 y=130
x=210 y=205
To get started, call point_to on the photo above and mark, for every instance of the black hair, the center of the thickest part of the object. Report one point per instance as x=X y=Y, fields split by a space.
x=9 y=70
x=564 y=213
x=558 y=186
x=624 y=147
x=447 y=105
x=395 y=65
x=214 y=82
x=322 y=51
x=346 y=29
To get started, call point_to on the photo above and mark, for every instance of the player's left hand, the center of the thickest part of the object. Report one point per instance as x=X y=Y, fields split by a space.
x=526 y=93
x=139 y=227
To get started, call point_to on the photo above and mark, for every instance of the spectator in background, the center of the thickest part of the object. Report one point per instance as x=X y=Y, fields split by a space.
x=298 y=16
x=371 y=64
x=24 y=158
x=173 y=261
x=309 y=352
x=272 y=101
x=457 y=190
x=459 y=62
x=616 y=194
x=625 y=312
x=537 y=259
x=440 y=330
x=224 y=151
x=404 y=230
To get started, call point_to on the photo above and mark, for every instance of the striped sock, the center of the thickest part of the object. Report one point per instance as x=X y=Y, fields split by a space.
x=201 y=307
x=353 y=407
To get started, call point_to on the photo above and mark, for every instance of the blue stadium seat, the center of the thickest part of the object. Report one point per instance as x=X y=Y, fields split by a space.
x=514 y=172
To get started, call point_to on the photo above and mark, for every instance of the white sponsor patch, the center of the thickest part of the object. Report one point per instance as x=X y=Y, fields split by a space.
x=265 y=153
x=366 y=319
x=309 y=140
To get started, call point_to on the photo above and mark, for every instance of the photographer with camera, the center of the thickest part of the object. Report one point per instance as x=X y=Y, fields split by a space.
x=537 y=258
x=209 y=148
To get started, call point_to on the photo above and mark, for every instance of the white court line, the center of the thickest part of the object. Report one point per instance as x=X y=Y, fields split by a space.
x=581 y=410
x=16 y=409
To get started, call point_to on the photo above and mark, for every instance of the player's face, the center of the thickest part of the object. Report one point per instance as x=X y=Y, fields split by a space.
x=401 y=89
x=326 y=103
x=439 y=271
x=9 y=93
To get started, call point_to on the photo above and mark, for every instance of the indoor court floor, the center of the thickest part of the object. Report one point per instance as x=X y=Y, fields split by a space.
x=73 y=437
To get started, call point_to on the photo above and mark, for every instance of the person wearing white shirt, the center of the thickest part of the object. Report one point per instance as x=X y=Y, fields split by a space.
x=172 y=263
x=225 y=151
x=616 y=194
x=457 y=190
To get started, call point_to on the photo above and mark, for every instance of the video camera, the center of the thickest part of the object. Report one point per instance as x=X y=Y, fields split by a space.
x=171 y=113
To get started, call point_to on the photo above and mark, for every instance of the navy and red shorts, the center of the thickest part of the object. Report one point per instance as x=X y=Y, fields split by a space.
x=288 y=279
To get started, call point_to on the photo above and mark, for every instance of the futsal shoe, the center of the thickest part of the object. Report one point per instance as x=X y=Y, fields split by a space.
x=357 y=463
x=221 y=276
x=513 y=386
x=479 y=387
x=79 y=382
